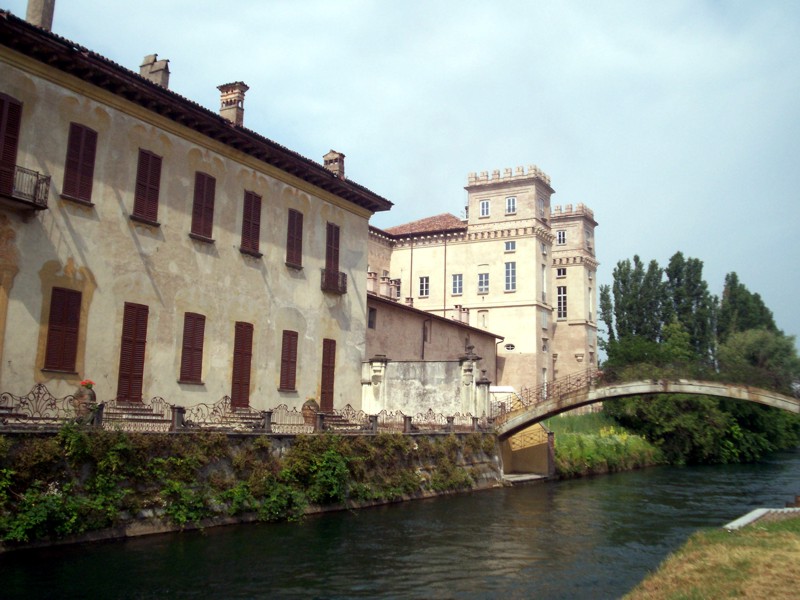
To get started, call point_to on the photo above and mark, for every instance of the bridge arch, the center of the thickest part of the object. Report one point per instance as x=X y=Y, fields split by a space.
x=549 y=404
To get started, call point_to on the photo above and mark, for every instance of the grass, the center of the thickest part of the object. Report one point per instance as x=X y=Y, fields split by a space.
x=761 y=560
x=594 y=443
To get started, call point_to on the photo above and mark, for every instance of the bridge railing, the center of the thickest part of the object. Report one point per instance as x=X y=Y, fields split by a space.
x=526 y=398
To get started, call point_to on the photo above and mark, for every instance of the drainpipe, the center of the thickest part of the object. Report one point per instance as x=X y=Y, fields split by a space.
x=428 y=320
x=444 y=280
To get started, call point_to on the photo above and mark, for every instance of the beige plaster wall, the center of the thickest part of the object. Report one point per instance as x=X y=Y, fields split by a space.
x=112 y=259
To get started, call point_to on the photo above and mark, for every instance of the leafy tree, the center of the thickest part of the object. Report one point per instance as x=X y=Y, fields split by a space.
x=637 y=303
x=760 y=357
x=689 y=302
x=741 y=310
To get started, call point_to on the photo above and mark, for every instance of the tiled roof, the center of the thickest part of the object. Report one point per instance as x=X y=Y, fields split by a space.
x=437 y=224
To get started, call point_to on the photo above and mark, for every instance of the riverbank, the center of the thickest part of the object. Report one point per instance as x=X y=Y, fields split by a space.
x=85 y=485
x=594 y=444
x=761 y=560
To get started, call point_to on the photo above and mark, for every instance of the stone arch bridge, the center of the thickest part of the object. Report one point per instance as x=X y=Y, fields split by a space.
x=588 y=388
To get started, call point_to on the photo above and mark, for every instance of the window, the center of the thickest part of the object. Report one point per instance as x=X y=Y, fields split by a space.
x=288 y=361
x=398 y=285
x=561 y=237
x=79 y=167
x=328 y=375
x=561 y=301
x=511 y=276
x=62 y=330
x=483 y=319
x=540 y=206
x=372 y=317
x=483 y=283
x=332 y=279
x=484 y=208
x=545 y=318
x=251 y=224
x=148 y=179
x=131 y=353
x=194 y=326
x=424 y=286
x=589 y=240
x=511 y=246
x=458 y=284
x=561 y=272
x=545 y=344
x=544 y=283
x=242 y=357
x=543 y=248
x=294 y=239
x=10 y=120
x=511 y=205
x=203 y=207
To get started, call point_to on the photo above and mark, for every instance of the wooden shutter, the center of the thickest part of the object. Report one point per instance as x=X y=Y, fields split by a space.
x=289 y=361
x=203 y=207
x=10 y=119
x=242 y=357
x=79 y=168
x=294 y=239
x=328 y=375
x=148 y=179
x=332 y=249
x=131 y=354
x=251 y=222
x=62 y=330
x=194 y=326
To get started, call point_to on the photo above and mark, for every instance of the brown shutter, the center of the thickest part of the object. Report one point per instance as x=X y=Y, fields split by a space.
x=294 y=239
x=242 y=357
x=332 y=249
x=79 y=167
x=328 y=375
x=10 y=119
x=289 y=361
x=131 y=355
x=62 y=330
x=192 y=353
x=251 y=222
x=203 y=207
x=148 y=180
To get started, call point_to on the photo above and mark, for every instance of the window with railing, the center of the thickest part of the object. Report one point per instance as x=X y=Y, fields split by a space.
x=17 y=183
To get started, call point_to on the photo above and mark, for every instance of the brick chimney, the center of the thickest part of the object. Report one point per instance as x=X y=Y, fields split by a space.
x=232 y=101
x=334 y=162
x=40 y=13
x=155 y=70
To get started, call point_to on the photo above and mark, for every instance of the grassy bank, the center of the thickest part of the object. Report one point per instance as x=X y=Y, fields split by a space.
x=84 y=480
x=594 y=443
x=761 y=560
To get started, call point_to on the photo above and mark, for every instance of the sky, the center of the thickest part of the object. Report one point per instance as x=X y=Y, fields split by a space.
x=677 y=122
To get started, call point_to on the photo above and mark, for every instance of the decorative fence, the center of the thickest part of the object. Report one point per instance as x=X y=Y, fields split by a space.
x=39 y=409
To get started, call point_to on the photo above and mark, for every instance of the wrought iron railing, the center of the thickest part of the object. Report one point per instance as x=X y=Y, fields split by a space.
x=39 y=409
x=29 y=186
x=334 y=281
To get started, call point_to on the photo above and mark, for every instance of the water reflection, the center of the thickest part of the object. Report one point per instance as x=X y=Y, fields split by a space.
x=585 y=538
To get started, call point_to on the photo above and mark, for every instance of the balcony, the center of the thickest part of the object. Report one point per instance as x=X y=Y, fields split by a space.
x=334 y=281
x=28 y=187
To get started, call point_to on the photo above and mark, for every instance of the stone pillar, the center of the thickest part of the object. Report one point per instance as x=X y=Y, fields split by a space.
x=373 y=423
x=267 y=423
x=178 y=416
x=450 y=424
x=373 y=390
x=475 y=424
x=482 y=400
x=319 y=427
x=406 y=423
x=97 y=417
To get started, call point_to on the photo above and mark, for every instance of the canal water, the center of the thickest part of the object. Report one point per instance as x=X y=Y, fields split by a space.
x=586 y=538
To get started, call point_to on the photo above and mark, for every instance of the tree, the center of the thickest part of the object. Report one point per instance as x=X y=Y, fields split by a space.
x=637 y=301
x=689 y=302
x=741 y=310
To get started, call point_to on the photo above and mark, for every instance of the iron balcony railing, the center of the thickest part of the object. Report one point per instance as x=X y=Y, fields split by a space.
x=334 y=281
x=28 y=186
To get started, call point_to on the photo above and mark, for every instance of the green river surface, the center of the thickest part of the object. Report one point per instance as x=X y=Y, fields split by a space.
x=586 y=538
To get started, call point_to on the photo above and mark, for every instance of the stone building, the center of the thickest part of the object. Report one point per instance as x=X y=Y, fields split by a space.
x=162 y=249
x=515 y=266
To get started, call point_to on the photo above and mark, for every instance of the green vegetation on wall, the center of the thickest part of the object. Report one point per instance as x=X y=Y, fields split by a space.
x=84 y=480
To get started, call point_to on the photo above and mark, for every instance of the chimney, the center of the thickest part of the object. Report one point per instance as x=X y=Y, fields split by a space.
x=232 y=101
x=40 y=13
x=334 y=162
x=155 y=70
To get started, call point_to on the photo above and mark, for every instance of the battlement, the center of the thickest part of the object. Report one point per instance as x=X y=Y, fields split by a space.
x=517 y=174
x=580 y=210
